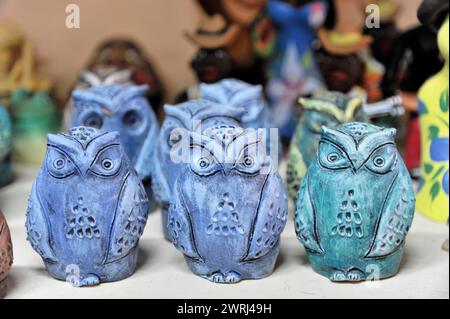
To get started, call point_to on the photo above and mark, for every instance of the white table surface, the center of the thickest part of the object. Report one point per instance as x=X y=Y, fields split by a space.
x=162 y=272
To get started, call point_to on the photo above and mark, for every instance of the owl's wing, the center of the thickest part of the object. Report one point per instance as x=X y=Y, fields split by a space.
x=305 y=220
x=130 y=220
x=396 y=218
x=180 y=228
x=37 y=228
x=271 y=219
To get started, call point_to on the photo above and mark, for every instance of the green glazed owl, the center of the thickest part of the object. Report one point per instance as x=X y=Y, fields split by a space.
x=326 y=108
x=33 y=116
x=5 y=147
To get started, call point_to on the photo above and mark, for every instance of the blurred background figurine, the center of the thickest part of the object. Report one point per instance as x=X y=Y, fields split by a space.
x=292 y=70
x=432 y=197
x=126 y=110
x=330 y=109
x=33 y=115
x=340 y=55
x=406 y=72
x=122 y=61
x=17 y=65
x=5 y=147
x=225 y=51
x=26 y=96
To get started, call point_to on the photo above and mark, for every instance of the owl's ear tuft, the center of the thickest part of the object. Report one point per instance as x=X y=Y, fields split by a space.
x=170 y=109
x=390 y=133
x=328 y=132
x=133 y=91
x=51 y=138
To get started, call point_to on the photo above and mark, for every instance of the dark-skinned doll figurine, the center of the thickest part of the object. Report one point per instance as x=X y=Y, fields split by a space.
x=341 y=44
x=223 y=52
x=384 y=36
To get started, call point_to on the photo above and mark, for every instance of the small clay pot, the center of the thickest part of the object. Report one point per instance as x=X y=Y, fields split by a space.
x=6 y=255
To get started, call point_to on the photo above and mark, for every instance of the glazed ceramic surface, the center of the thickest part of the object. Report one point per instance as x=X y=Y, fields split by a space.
x=356 y=204
x=5 y=147
x=33 y=115
x=432 y=198
x=197 y=116
x=123 y=109
x=292 y=70
x=6 y=254
x=329 y=109
x=87 y=209
x=229 y=207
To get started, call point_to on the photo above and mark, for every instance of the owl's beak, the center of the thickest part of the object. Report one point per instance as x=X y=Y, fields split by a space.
x=227 y=168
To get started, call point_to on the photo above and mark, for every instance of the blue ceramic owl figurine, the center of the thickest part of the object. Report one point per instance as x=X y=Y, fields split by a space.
x=230 y=207
x=126 y=110
x=193 y=116
x=87 y=209
x=356 y=204
x=239 y=94
x=5 y=147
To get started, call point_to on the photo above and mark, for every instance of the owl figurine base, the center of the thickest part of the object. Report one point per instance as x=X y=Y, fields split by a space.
x=88 y=209
x=356 y=205
x=229 y=208
x=6 y=255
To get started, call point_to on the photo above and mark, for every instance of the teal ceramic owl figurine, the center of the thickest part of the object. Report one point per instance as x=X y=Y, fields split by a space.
x=87 y=209
x=329 y=109
x=229 y=207
x=356 y=204
x=5 y=147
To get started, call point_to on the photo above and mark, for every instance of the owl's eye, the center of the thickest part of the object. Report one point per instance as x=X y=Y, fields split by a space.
x=379 y=161
x=251 y=161
x=58 y=165
x=248 y=161
x=107 y=164
x=132 y=119
x=108 y=161
x=383 y=159
x=93 y=120
x=204 y=163
x=331 y=157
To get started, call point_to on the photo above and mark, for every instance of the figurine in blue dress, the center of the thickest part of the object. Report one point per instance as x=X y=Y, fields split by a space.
x=292 y=71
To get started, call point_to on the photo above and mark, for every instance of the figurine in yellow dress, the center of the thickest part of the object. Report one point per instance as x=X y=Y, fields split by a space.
x=432 y=197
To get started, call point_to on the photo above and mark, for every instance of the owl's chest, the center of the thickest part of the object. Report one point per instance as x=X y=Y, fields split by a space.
x=347 y=208
x=223 y=216
x=80 y=216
